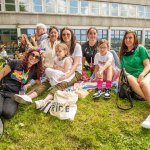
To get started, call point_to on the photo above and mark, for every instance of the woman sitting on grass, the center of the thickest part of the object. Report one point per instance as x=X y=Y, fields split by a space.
x=136 y=61
x=105 y=69
x=13 y=77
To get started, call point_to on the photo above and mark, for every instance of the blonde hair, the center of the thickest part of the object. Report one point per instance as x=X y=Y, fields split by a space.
x=103 y=41
x=64 y=48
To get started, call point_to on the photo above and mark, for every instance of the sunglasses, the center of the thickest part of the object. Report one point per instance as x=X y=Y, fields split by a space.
x=35 y=56
x=66 y=34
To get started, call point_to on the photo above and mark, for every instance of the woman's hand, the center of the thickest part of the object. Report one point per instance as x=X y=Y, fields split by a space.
x=140 y=78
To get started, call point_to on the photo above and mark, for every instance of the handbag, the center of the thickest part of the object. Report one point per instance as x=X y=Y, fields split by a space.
x=124 y=91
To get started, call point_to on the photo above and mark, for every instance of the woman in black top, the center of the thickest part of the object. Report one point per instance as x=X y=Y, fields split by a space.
x=89 y=48
x=13 y=77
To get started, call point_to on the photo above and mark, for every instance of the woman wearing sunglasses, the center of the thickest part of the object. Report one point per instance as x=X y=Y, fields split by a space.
x=136 y=61
x=13 y=77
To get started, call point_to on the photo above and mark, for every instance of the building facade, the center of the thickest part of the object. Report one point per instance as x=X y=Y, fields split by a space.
x=111 y=17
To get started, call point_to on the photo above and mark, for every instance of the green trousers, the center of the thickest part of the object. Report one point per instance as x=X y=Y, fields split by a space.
x=61 y=86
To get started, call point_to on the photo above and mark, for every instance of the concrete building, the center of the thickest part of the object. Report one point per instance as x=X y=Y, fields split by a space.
x=111 y=17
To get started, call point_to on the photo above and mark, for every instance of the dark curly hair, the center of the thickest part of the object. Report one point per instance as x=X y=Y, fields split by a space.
x=54 y=27
x=124 y=48
x=73 y=39
x=38 y=66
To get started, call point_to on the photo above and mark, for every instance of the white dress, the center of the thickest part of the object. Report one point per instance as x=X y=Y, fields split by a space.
x=54 y=75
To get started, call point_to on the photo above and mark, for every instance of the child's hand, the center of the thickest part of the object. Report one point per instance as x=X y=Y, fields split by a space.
x=65 y=76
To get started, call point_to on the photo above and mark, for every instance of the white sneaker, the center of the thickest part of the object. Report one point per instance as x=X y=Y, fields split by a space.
x=23 y=99
x=39 y=103
x=146 y=123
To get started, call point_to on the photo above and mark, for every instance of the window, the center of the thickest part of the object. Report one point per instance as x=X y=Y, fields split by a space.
x=148 y=11
x=50 y=6
x=85 y=7
x=62 y=6
x=94 y=8
x=77 y=34
x=123 y=10
x=116 y=39
x=132 y=11
x=28 y=32
x=104 y=9
x=37 y=5
x=139 y=35
x=24 y=5
x=10 y=5
x=102 y=34
x=140 y=11
x=9 y=38
x=73 y=6
x=81 y=35
x=147 y=39
x=114 y=9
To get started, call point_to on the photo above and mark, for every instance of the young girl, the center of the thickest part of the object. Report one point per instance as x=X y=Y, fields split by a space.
x=105 y=69
x=62 y=64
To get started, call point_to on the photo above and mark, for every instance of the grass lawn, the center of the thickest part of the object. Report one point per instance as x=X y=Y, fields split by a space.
x=97 y=126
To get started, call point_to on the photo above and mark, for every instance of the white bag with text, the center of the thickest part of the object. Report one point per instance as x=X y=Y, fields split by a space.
x=64 y=105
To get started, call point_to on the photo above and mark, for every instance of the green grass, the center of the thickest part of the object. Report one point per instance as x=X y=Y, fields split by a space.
x=97 y=126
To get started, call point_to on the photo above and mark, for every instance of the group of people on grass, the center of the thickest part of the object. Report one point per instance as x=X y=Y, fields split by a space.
x=60 y=64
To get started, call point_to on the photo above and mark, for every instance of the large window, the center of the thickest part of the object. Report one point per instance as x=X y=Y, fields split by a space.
x=24 y=5
x=94 y=8
x=147 y=12
x=73 y=6
x=62 y=6
x=123 y=10
x=132 y=11
x=114 y=9
x=104 y=9
x=10 y=5
x=85 y=7
x=140 y=11
x=50 y=6
x=37 y=5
